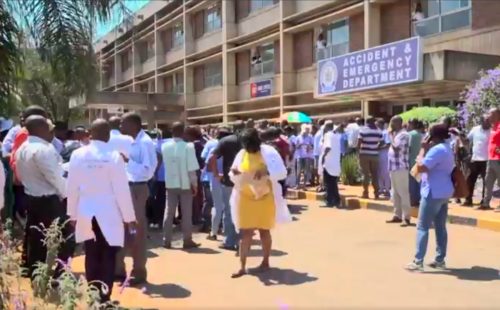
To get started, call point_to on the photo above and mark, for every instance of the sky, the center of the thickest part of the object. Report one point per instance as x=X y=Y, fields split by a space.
x=117 y=18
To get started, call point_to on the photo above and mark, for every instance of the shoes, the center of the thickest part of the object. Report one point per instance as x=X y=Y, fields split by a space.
x=190 y=244
x=437 y=265
x=406 y=223
x=120 y=278
x=137 y=281
x=365 y=195
x=415 y=266
x=212 y=237
x=483 y=207
x=467 y=203
x=167 y=245
x=394 y=220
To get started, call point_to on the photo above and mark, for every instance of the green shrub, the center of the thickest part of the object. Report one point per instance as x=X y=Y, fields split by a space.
x=428 y=114
x=350 y=174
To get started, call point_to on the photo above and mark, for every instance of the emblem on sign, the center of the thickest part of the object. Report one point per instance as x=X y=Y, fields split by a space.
x=328 y=76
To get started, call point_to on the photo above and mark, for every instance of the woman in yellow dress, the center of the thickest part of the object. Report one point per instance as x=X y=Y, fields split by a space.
x=256 y=199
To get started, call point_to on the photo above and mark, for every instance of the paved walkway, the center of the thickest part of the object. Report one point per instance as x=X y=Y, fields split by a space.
x=326 y=258
x=488 y=219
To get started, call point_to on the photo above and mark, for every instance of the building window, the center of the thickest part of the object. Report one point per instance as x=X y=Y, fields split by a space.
x=212 y=74
x=262 y=61
x=126 y=61
x=333 y=41
x=436 y=16
x=256 y=5
x=179 y=83
x=144 y=88
x=151 y=49
x=212 y=19
x=177 y=35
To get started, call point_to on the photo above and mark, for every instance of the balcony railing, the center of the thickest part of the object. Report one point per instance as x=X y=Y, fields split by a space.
x=126 y=75
x=332 y=51
x=441 y=23
x=262 y=68
x=147 y=65
x=178 y=89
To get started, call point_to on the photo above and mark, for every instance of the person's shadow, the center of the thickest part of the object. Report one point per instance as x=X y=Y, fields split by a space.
x=296 y=209
x=166 y=290
x=475 y=273
x=278 y=276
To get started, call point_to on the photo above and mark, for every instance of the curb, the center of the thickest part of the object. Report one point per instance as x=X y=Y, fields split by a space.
x=352 y=202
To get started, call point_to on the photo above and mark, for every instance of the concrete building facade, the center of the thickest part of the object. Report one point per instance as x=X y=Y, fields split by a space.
x=217 y=61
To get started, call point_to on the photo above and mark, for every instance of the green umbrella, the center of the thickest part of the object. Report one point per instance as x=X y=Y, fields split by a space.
x=296 y=117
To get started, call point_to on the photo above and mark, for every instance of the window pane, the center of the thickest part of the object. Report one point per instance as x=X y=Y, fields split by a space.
x=448 y=6
x=464 y=3
x=255 y=5
x=338 y=33
x=267 y=52
x=455 y=20
x=431 y=8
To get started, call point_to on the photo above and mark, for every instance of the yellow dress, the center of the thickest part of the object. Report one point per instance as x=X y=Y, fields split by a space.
x=255 y=213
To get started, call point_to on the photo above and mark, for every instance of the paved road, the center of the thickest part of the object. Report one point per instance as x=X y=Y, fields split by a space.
x=326 y=258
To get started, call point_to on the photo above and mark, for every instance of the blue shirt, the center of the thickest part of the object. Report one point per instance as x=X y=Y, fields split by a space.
x=160 y=173
x=207 y=176
x=344 y=140
x=439 y=160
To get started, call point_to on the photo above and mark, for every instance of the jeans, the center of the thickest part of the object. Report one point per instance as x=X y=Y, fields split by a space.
x=208 y=203
x=218 y=202
x=231 y=236
x=304 y=166
x=432 y=211
x=384 y=180
x=414 y=191
x=332 y=189
x=492 y=176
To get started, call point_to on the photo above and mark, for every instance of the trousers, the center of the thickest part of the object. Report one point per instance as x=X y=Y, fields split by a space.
x=136 y=244
x=369 y=168
x=100 y=262
x=184 y=197
x=401 y=193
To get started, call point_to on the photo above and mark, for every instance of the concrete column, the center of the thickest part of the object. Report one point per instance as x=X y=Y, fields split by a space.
x=288 y=81
x=189 y=96
x=156 y=48
x=117 y=66
x=150 y=115
x=188 y=33
x=372 y=38
x=228 y=59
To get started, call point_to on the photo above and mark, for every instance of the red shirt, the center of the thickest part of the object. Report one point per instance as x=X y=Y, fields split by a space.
x=494 y=145
x=20 y=138
x=283 y=148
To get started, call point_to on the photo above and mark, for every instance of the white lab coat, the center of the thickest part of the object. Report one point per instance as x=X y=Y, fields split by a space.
x=277 y=171
x=98 y=187
x=2 y=185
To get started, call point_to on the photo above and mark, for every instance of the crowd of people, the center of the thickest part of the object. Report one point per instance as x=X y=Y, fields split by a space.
x=114 y=182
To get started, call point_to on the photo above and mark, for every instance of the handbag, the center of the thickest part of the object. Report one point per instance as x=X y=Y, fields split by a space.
x=461 y=190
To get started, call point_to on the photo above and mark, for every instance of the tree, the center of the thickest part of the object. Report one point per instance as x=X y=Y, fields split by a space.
x=60 y=32
x=481 y=95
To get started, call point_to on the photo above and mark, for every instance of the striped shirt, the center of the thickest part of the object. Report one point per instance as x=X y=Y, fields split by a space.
x=370 y=139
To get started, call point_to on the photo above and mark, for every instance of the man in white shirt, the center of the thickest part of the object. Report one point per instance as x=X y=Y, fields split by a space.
x=318 y=138
x=331 y=165
x=40 y=172
x=352 y=131
x=118 y=141
x=141 y=166
x=478 y=138
x=100 y=205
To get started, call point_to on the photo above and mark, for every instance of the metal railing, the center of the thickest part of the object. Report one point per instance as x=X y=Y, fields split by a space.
x=332 y=51
x=261 y=68
x=441 y=23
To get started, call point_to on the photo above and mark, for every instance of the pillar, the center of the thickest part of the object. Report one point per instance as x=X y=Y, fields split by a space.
x=228 y=59
x=371 y=39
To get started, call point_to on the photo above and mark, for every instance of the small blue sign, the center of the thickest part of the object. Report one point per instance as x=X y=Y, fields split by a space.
x=261 y=88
